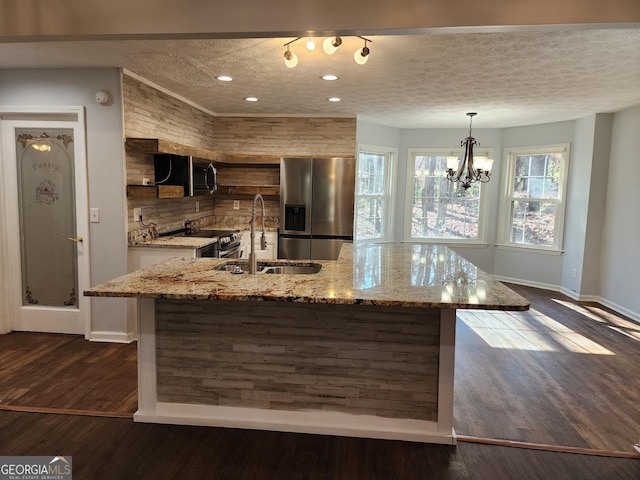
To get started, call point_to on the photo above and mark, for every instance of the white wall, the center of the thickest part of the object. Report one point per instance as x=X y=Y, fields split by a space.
x=620 y=258
x=586 y=206
x=105 y=157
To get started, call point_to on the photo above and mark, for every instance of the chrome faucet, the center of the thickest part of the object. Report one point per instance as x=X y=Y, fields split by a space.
x=253 y=263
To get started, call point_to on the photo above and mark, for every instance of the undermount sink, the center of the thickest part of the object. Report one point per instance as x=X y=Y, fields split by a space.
x=293 y=269
x=305 y=268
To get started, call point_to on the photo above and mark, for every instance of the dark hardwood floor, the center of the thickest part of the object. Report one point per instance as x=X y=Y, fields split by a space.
x=114 y=448
x=51 y=372
x=562 y=374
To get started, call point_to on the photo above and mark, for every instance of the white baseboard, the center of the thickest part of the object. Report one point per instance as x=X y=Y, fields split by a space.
x=528 y=283
x=635 y=316
x=316 y=422
x=580 y=298
x=113 y=337
x=575 y=296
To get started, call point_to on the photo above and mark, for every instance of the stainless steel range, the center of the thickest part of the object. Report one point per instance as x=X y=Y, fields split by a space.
x=227 y=244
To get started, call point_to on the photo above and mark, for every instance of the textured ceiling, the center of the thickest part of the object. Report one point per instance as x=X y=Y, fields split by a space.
x=410 y=81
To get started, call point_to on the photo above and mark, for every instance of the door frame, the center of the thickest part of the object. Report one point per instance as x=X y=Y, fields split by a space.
x=11 y=296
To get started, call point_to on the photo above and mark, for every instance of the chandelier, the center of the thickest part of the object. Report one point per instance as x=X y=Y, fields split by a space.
x=471 y=169
x=329 y=45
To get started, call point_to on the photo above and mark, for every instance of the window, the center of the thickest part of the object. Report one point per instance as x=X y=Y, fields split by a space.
x=536 y=182
x=373 y=193
x=442 y=210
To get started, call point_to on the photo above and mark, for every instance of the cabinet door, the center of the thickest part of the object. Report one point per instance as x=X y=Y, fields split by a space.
x=270 y=252
x=142 y=257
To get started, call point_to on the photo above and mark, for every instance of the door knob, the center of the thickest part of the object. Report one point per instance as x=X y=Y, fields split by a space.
x=76 y=239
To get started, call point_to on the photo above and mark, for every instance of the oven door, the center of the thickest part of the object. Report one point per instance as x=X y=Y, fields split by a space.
x=231 y=250
x=210 y=250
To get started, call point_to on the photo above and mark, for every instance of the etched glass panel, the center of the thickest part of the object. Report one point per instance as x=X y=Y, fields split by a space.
x=47 y=217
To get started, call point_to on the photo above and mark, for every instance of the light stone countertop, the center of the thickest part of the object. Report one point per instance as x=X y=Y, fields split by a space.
x=410 y=275
x=191 y=242
x=175 y=242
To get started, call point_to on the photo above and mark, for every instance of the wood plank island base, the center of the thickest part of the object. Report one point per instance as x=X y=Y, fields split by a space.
x=364 y=348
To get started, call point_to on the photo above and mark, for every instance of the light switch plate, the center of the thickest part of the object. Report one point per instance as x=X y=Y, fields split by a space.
x=94 y=215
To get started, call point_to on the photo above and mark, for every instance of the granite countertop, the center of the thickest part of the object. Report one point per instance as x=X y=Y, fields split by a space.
x=391 y=275
x=175 y=242
x=188 y=242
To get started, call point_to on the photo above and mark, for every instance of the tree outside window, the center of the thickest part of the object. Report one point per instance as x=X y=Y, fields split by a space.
x=373 y=191
x=440 y=209
x=536 y=183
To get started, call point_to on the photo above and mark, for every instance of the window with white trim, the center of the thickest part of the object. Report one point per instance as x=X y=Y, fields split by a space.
x=535 y=197
x=439 y=209
x=373 y=200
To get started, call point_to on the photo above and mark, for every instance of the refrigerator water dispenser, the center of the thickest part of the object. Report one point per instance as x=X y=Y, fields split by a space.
x=294 y=217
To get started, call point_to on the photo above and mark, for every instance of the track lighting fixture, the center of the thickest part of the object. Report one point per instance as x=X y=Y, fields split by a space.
x=329 y=45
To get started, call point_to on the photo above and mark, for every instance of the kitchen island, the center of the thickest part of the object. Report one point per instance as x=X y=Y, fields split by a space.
x=365 y=347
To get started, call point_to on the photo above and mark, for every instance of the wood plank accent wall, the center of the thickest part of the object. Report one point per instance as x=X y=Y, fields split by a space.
x=291 y=356
x=286 y=136
x=150 y=113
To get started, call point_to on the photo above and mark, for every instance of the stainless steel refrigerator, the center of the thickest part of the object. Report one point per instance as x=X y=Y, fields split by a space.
x=316 y=207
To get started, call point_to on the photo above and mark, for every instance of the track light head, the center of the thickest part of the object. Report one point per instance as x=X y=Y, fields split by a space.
x=311 y=45
x=361 y=56
x=290 y=58
x=330 y=45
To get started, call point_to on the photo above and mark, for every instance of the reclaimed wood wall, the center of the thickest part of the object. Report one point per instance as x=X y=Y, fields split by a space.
x=294 y=356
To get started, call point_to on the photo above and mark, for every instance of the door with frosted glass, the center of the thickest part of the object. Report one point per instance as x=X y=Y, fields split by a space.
x=47 y=243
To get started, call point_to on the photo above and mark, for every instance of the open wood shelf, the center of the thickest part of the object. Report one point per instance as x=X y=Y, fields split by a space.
x=157 y=145
x=248 y=189
x=155 y=191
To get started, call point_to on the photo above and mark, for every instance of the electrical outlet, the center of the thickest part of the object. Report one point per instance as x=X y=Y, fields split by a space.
x=146 y=181
x=137 y=214
x=197 y=206
x=236 y=204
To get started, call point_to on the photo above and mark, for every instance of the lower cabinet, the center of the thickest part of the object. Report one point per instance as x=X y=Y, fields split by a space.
x=272 y=245
x=143 y=257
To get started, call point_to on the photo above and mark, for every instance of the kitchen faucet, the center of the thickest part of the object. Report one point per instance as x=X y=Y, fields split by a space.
x=253 y=263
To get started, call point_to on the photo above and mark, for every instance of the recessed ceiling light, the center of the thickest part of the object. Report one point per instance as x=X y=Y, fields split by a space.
x=224 y=78
x=334 y=99
x=251 y=99
x=329 y=77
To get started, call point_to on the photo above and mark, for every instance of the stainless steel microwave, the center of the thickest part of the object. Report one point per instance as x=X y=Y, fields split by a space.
x=203 y=178
x=197 y=177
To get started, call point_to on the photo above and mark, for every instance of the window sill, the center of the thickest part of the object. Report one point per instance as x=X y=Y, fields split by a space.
x=448 y=243
x=542 y=251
